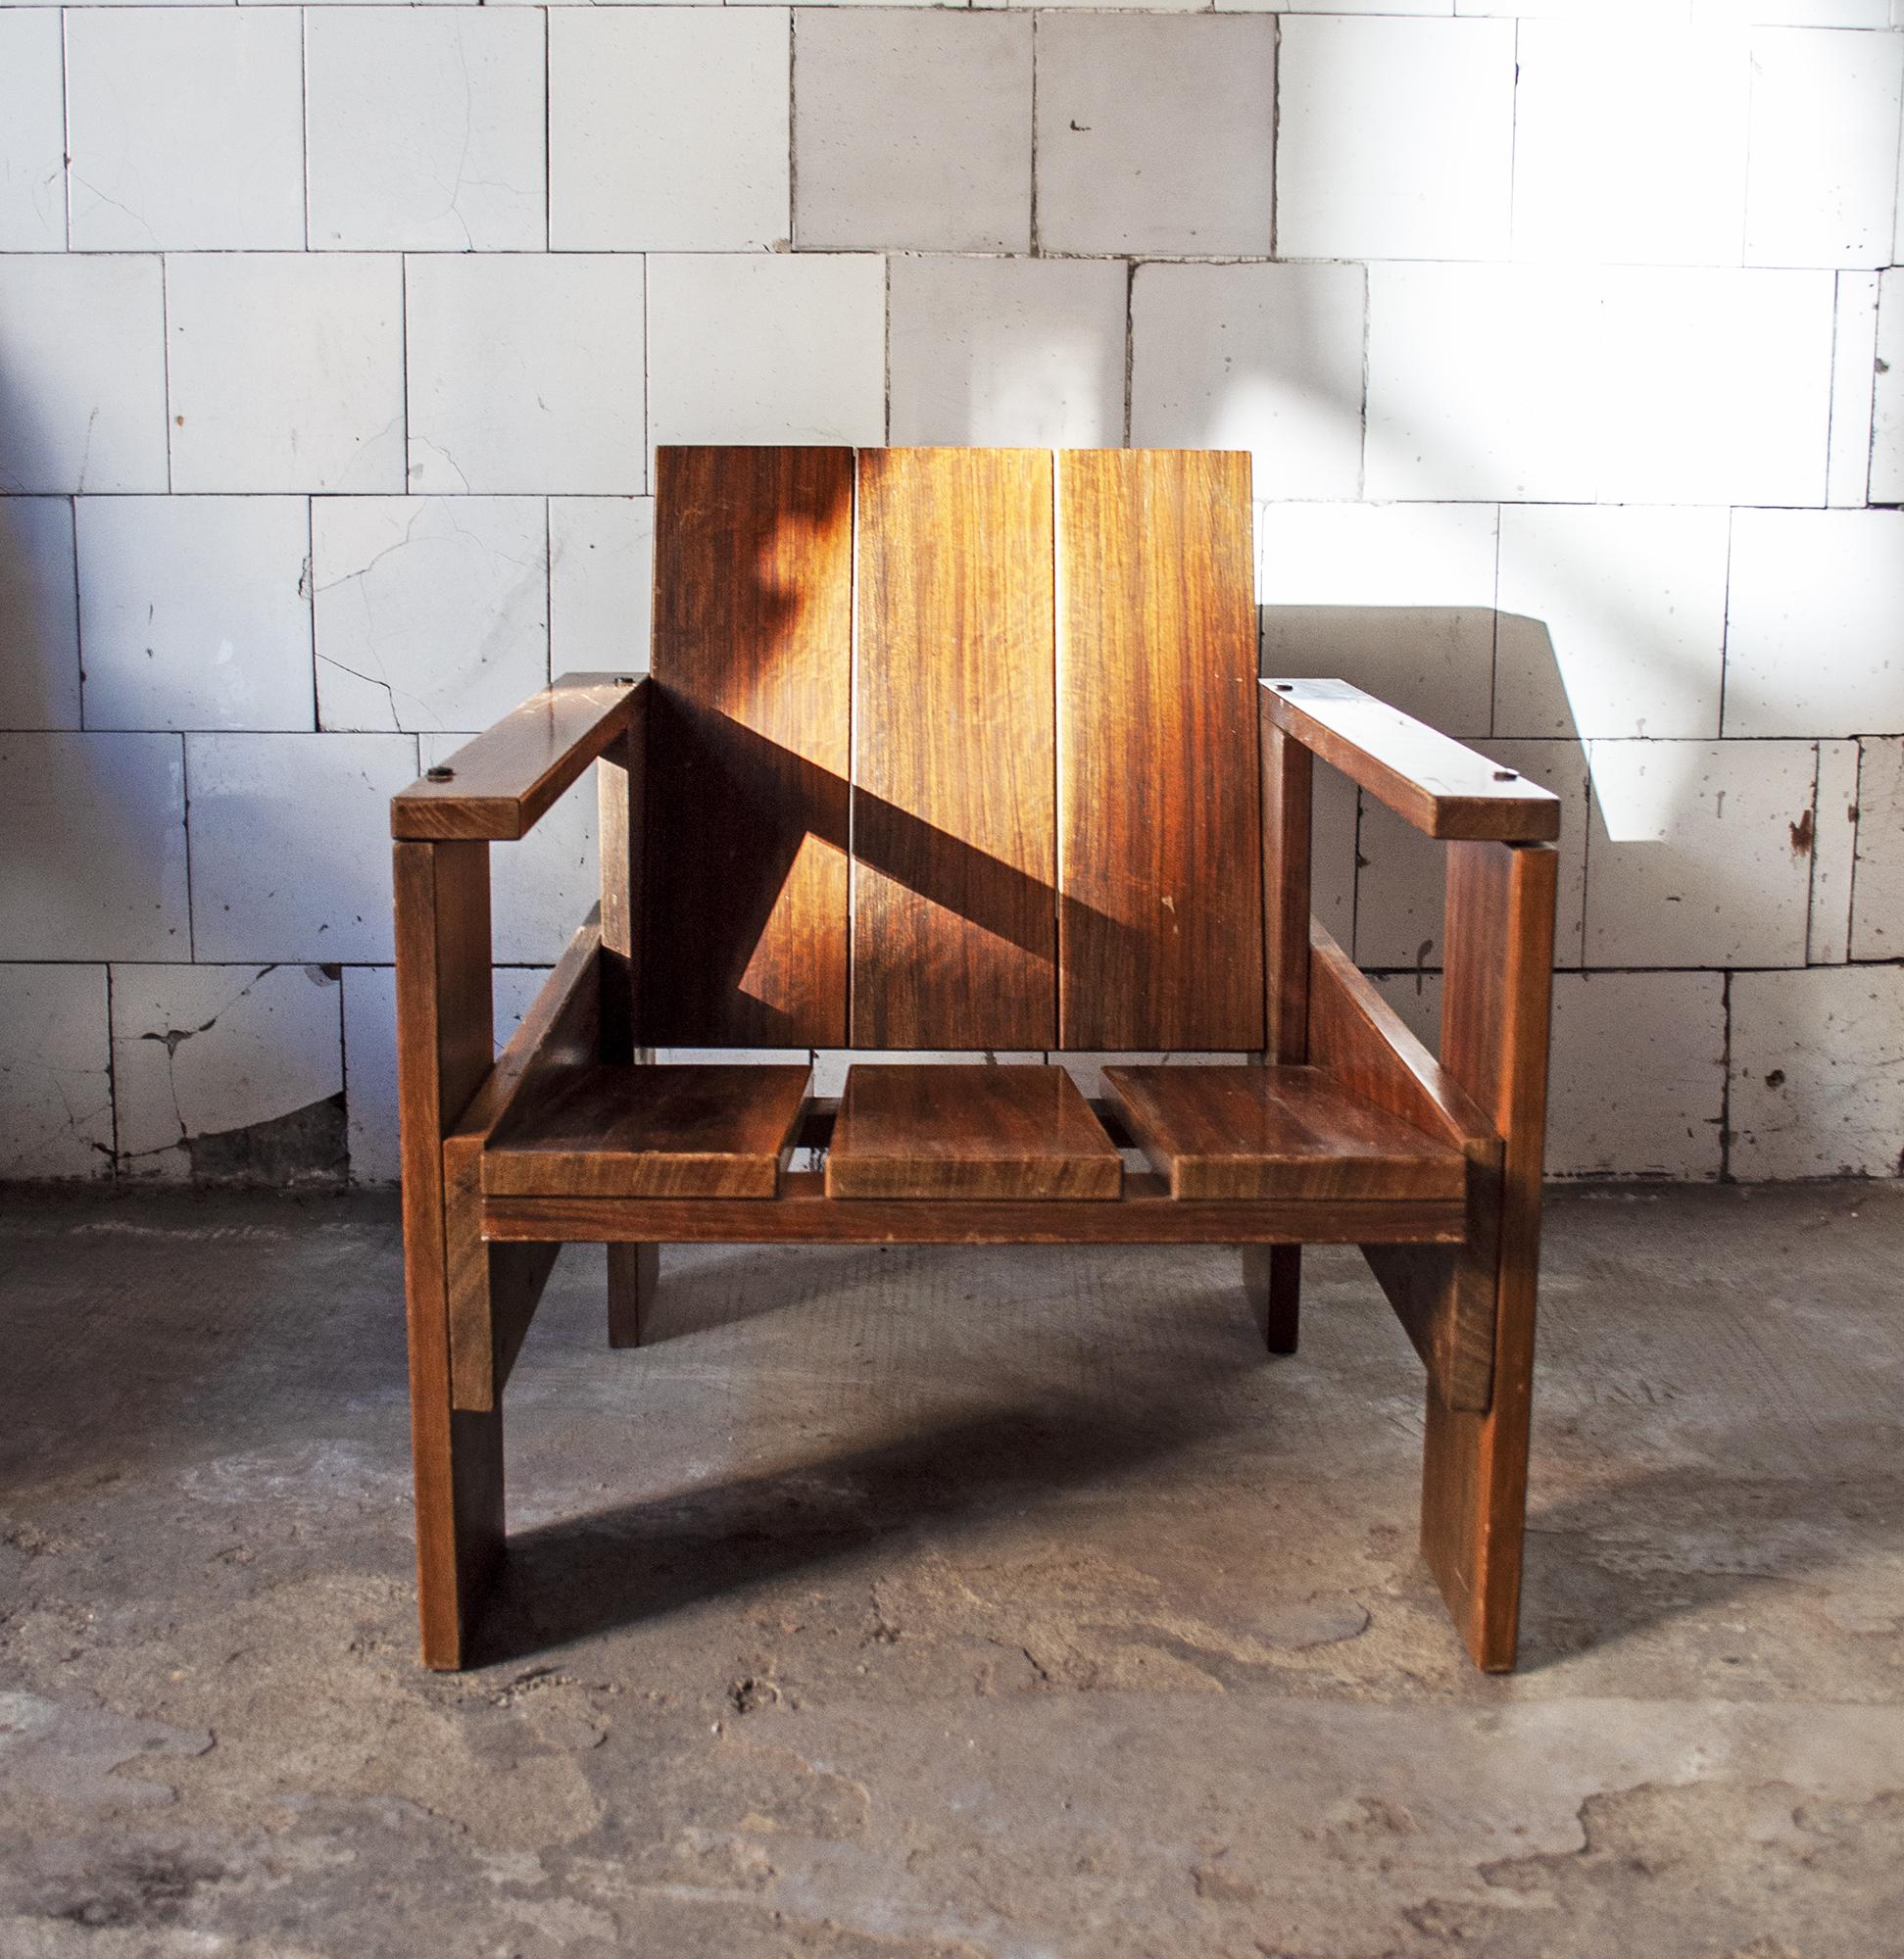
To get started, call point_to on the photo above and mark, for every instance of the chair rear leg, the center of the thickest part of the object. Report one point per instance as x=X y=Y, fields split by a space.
x=1272 y=1277
x=634 y=1271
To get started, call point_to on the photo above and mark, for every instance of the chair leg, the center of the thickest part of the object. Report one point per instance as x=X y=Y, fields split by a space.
x=1272 y=1277
x=634 y=1271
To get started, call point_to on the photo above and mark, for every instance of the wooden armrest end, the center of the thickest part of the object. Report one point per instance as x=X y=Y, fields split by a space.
x=497 y=786
x=1442 y=788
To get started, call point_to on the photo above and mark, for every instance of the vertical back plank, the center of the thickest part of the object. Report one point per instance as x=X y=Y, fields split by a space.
x=747 y=750
x=1160 y=921
x=954 y=935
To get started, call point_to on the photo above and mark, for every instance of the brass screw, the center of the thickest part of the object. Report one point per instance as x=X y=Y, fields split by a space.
x=442 y=772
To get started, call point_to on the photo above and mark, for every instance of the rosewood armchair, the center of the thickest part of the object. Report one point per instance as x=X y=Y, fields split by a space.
x=952 y=750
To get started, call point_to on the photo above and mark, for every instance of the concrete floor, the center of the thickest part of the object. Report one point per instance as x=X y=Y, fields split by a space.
x=909 y=1604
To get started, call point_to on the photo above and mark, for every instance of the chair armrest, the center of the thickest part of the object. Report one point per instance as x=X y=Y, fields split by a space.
x=499 y=785
x=1442 y=788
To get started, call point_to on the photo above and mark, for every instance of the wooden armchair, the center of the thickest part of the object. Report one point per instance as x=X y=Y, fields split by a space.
x=953 y=750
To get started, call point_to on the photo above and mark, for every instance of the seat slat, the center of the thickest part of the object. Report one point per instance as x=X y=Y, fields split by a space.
x=969 y=1131
x=693 y=1131
x=1260 y=1132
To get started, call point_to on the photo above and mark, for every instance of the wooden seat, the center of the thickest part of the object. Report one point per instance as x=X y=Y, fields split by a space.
x=1260 y=1132
x=910 y=1131
x=966 y=750
x=701 y=1131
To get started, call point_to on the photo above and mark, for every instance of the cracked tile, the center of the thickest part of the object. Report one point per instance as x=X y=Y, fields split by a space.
x=202 y=1052
x=431 y=612
x=33 y=133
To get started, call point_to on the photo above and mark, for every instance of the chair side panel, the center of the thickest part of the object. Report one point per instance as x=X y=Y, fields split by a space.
x=746 y=892
x=1160 y=916
x=955 y=787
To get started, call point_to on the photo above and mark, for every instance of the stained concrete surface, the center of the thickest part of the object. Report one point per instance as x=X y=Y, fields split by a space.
x=905 y=1603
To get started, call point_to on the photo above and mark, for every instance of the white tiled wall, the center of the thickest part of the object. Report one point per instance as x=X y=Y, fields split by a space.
x=1567 y=337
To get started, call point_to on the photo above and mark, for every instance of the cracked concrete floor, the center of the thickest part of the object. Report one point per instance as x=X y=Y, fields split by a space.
x=949 y=1603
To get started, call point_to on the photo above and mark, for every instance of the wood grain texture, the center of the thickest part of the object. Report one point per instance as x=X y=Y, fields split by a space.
x=1428 y=780
x=500 y=783
x=1257 y=1133
x=968 y=1132
x=746 y=895
x=695 y=1130
x=1497 y=1002
x=954 y=934
x=804 y=1214
x=1289 y=796
x=494 y=1298
x=442 y=1049
x=1445 y=1299
x=634 y=1273
x=1160 y=928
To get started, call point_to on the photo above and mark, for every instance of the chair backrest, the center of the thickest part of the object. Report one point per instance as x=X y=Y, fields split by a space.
x=954 y=749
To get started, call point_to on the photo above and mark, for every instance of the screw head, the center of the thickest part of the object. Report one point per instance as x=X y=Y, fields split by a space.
x=442 y=772
x=625 y=679
x=1506 y=775
x=1286 y=686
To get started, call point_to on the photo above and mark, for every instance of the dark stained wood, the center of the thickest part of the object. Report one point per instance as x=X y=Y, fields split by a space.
x=1272 y=1277
x=1497 y=996
x=954 y=934
x=1257 y=1133
x=500 y=783
x=969 y=1131
x=804 y=1214
x=693 y=1131
x=621 y=777
x=1160 y=931
x=634 y=1272
x=492 y=1299
x=746 y=888
x=1288 y=788
x=1443 y=1299
x=442 y=1049
x=1428 y=780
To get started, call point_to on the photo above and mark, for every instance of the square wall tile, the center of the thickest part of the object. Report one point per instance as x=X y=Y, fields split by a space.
x=186 y=129
x=39 y=621
x=601 y=583
x=1886 y=485
x=1796 y=12
x=911 y=129
x=1263 y=357
x=1700 y=853
x=1854 y=374
x=1636 y=1080
x=82 y=345
x=1718 y=386
x=767 y=349
x=1816 y=1089
x=427 y=128
x=1485 y=383
x=202 y=1054
x=32 y=132
x=1156 y=135
x=514 y=991
x=1878 y=883
x=286 y=371
x=542 y=885
x=56 y=1079
x=1397 y=598
x=291 y=844
x=1008 y=352
x=1815 y=644
x=92 y=848
x=525 y=374
x=371 y=1104
x=1823 y=189
x=1395 y=139
x=1660 y=111
x=668 y=130
x=1613 y=620
x=1400 y=914
x=431 y=612
x=195 y=612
